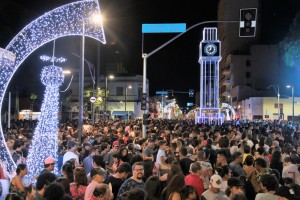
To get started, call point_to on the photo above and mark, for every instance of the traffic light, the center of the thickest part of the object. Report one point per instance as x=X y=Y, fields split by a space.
x=191 y=93
x=144 y=101
x=248 y=22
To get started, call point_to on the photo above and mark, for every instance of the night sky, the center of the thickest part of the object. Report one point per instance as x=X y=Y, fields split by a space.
x=174 y=67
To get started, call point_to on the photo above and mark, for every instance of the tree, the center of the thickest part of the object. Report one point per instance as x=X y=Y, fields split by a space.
x=99 y=93
x=290 y=45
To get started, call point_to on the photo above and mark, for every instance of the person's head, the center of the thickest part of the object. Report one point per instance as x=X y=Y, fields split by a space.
x=260 y=164
x=64 y=181
x=115 y=146
x=136 y=193
x=152 y=187
x=195 y=168
x=98 y=161
x=162 y=144
x=44 y=179
x=221 y=157
x=102 y=192
x=12 y=196
x=49 y=163
x=151 y=142
x=249 y=160
x=223 y=171
x=54 y=191
x=98 y=175
x=235 y=186
x=175 y=184
x=215 y=183
x=21 y=170
x=285 y=193
x=138 y=170
x=189 y=193
x=80 y=177
x=124 y=169
x=72 y=146
x=269 y=182
x=247 y=149
x=239 y=196
x=201 y=155
x=183 y=152
x=67 y=171
x=238 y=157
x=175 y=168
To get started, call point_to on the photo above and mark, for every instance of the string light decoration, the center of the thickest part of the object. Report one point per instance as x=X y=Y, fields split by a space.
x=7 y=61
x=52 y=59
x=45 y=139
x=66 y=20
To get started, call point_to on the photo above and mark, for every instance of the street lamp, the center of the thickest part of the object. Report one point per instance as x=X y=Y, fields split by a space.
x=126 y=88
x=110 y=77
x=278 y=98
x=293 y=101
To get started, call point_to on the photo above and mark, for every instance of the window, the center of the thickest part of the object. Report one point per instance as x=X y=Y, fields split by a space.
x=248 y=63
x=248 y=74
x=119 y=91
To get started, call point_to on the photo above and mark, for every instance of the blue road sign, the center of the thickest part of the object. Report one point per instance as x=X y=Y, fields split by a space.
x=161 y=92
x=164 y=28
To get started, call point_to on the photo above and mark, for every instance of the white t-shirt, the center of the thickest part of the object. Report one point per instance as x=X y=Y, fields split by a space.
x=292 y=171
x=70 y=155
x=160 y=153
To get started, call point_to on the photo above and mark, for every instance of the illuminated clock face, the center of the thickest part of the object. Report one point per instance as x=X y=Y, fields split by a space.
x=210 y=49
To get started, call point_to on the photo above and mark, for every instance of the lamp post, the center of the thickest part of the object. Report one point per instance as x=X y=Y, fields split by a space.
x=278 y=98
x=293 y=101
x=126 y=90
x=95 y=19
x=105 y=103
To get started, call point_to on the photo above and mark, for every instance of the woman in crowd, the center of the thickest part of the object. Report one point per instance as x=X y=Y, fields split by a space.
x=78 y=187
x=172 y=191
x=16 y=185
x=153 y=188
x=188 y=192
x=67 y=171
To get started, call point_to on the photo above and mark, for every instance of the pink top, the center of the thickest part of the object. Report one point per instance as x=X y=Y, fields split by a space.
x=90 y=189
x=77 y=192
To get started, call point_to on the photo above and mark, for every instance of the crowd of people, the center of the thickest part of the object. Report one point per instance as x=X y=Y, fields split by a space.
x=178 y=160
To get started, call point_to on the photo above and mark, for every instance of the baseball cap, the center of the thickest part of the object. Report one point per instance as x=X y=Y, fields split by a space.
x=216 y=181
x=96 y=171
x=234 y=181
x=49 y=160
x=116 y=143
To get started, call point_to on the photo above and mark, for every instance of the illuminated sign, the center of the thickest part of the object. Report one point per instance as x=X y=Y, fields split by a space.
x=164 y=28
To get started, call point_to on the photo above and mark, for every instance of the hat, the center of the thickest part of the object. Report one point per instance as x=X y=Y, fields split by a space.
x=71 y=144
x=116 y=143
x=234 y=181
x=96 y=171
x=49 y=160
x=285 y=191
x=216 y=181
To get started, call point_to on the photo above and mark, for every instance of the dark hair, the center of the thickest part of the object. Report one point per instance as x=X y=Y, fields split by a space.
x=261 y=162
x=136 y=158
x=152 y=187
x=68 y=169
x=136 y=193
x=223 y=170
x=12 y=196
x=249 y=160
x=247 y=149
x=80 y=177
x=238 y=196
x=64 y=181
x=20 y=167
x=100 y=190
x=55 y=191
x=44 y=179
x=124 y=167
x=98 y=160
x=187 y=190
x=174 y=185
x=269 y=181
x=276 y=157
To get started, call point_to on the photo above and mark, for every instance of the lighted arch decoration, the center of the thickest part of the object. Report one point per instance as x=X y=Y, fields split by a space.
x=68 y=20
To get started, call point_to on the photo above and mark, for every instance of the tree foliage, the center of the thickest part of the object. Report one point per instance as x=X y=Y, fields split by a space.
x=290 y=45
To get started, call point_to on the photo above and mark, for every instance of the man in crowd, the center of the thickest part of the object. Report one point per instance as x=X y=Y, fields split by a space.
x=71 y=153
x=184 y=161
x=148 y=151
x=88 y=161
x=49 y=164
x=214 y=191
x=98 y=176
x=136 y=181
x=194 y=179
x=43 y=180
x=236 y=164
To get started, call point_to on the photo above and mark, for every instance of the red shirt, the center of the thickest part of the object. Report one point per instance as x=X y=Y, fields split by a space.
x=195 y=181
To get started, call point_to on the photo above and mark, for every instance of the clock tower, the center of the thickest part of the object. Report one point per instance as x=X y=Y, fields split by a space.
x=210 y=55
